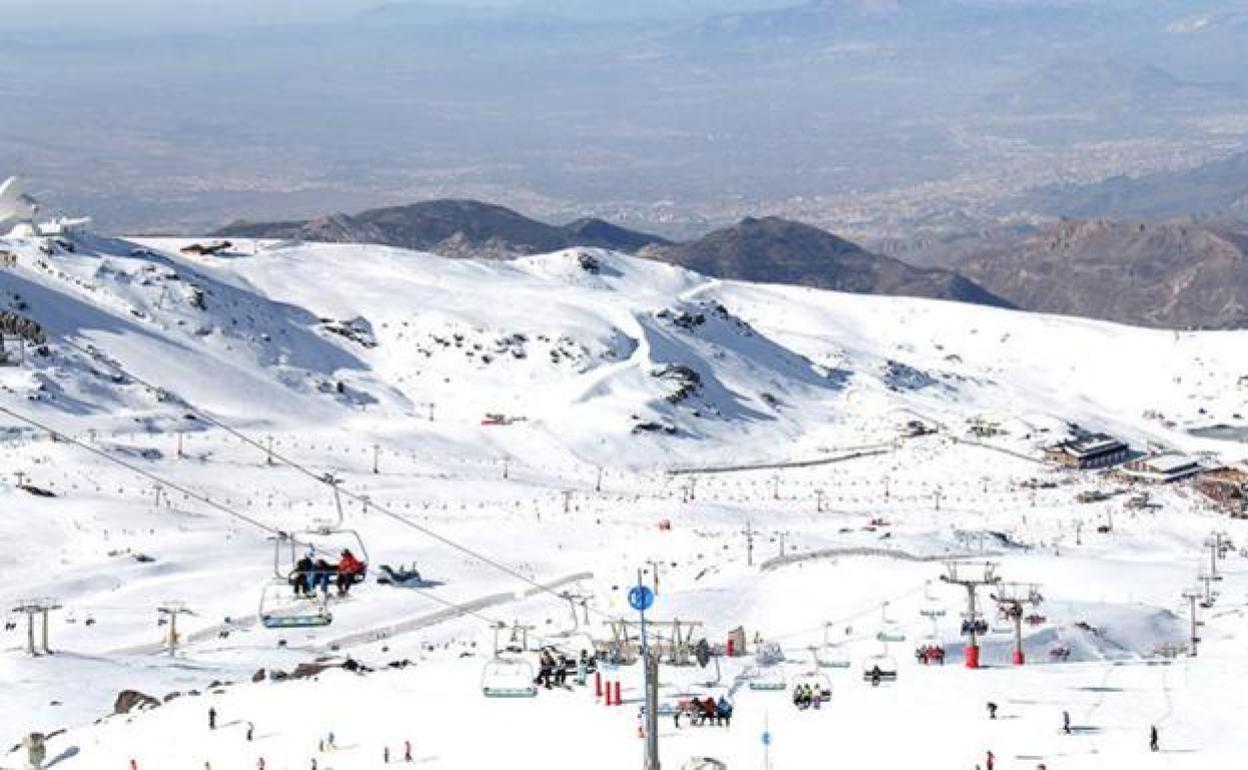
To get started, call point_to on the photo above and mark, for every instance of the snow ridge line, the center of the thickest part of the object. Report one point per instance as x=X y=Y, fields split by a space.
x=776 y=562
x=867 y=450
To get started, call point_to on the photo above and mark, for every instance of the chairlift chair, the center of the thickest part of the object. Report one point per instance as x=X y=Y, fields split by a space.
x=890 y=630
x=931 y=608
x=281 y=608
x=879 y=669
x=508 y=677
x=768 y=679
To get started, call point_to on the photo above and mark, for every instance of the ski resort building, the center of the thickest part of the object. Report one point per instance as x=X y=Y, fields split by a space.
x=1096 y=450
x=1161 y=468
x=1226 y=488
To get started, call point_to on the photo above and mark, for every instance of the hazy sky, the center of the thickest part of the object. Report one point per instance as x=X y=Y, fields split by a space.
x=146 y=15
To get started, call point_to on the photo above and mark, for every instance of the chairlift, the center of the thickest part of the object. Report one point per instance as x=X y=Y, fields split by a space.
x=281 y=608
x=508 y=677
x=832 y=657
x=768 y=679
x=879 y=669
x=931 y=608
x=890 y=630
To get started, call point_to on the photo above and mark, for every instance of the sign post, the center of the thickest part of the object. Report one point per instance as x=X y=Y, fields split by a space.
x=641 y=599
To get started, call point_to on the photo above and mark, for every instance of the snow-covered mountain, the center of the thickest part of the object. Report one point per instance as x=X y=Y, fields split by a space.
x=530 y=433
x=605 y=355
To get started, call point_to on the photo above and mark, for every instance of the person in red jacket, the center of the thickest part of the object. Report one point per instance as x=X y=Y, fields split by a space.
x=349 y=568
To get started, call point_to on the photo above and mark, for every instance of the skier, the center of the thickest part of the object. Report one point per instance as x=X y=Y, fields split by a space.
x=1153 y=739
x=212 y=718
x=302 y=577
x=1066 y=722
x=407 y=751
x=990 y=763
x=582 y=668
x=251 y=730
x=992 y=710
x=385 y=755
x=348 y=568
x=260 y=763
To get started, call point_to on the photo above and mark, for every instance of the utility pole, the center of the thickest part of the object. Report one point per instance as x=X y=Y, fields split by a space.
x=749 y=544
x=41 y=607
x=171 y=611
x=506 y=467
x=180 y=452
x=567 y=500
x=431 y=411
x=690 y=491
x=654 y=567
x=652 y=711
x=782 y=534
x=598 y=482
x=376 y=459
x=156 y=490
x=269 y=459
x=1014 y=599
x=1214 y=544
x=775 y=487
x=937 y=498
x=971 y=577
x=1210 y=594
x=818 y=501
x=1192 y=596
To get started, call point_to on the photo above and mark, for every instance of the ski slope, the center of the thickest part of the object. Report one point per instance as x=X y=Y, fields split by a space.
x=780 y=405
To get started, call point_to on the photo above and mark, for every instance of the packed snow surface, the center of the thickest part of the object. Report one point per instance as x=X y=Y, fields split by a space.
x=532 y=433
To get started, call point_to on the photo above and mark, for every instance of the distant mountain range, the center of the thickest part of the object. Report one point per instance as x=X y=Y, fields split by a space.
x=769 y=250
x=1175 y=274
x=1172 y=275
x=452 y=228
x=775 y=250
x=1216 y=188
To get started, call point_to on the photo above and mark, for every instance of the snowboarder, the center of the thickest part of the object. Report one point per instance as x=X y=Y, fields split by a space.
x=1153 y=739
x=1066 y=722
x=407 y=751
x=992 y=710
x=251 y=730
x=212 y=718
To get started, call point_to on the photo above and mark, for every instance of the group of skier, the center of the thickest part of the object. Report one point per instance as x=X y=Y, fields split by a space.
x=312 y=575
x=807 y=696
x=553 y=668
x=705 y=712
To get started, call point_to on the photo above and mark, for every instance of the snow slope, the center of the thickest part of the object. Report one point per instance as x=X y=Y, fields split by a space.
x=777 y=406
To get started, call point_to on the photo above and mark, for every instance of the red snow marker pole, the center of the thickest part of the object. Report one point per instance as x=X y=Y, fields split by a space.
x=1018 y=657
x=972 y=656
x=597 y=684
x=617 y=693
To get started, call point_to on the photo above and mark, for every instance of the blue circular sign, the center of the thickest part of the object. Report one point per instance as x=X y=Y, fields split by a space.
x=640 y=598
x=766 y=739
